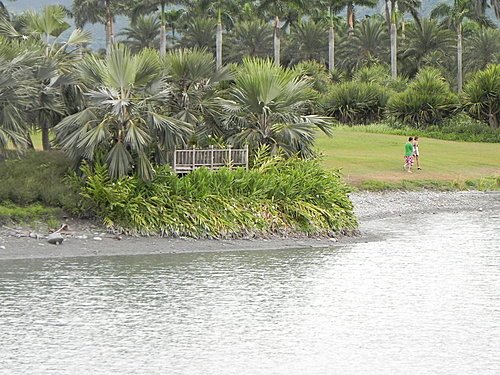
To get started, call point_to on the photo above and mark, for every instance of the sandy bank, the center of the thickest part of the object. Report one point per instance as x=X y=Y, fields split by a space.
x=87 y=240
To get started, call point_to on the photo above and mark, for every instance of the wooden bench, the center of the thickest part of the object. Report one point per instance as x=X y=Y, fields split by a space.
x=188 y=160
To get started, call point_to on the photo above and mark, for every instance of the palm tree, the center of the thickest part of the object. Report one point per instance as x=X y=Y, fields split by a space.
x=481 y=6
x=98 y=11
x=4 y=13
x=194 y=82
x=173 y=17
x=454 y=17
x=368 y=45
x=142 y=7
x=392 y=9
x=53 y=68
x=250 y=38
x=481 y=49
x=124 y=122
x=350 y=7
x=266 y=106
x=143 y=33
x=481 y=95
x=425 y=43
x=309 y=41
x=199 y=32
x=17 y=88
x=290 y=11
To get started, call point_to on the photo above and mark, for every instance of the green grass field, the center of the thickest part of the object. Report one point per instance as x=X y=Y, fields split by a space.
x=375 y=160
x=366 y=157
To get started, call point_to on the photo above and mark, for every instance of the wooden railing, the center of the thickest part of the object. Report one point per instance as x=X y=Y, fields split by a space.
x=186 y=161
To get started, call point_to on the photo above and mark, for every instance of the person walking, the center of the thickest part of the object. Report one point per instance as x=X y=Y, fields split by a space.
x=408 y=155
x=416 y=152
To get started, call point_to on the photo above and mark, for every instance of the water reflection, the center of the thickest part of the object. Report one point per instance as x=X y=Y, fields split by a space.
x=423 y=301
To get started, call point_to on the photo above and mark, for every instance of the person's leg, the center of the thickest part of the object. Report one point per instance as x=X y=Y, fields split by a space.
x=410 y=163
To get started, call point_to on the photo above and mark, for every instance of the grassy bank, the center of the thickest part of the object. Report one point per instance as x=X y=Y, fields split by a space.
x=375 y=161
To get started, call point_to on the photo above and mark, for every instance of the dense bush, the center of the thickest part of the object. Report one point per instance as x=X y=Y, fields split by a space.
x=275 y=197
x=464 y=128
x=427 y=100
x=482 y=95
x=37 y=177
x=356 y=102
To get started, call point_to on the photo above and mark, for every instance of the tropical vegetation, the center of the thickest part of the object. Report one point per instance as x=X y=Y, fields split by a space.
x=286 y=74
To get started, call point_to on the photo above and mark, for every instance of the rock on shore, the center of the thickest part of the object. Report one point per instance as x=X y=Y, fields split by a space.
x=86 y=239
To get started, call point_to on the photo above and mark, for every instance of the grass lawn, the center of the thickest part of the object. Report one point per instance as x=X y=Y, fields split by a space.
x=364 y=157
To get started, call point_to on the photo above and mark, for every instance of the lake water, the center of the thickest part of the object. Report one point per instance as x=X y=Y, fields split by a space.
x=424 y=300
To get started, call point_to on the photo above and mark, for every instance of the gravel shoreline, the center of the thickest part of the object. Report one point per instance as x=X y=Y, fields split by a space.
x=89 y=240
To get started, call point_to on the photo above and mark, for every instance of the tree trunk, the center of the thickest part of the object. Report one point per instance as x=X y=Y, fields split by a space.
x=331 y=49
x=394 y=51
x=459 y=59
x=493 y=120
x=387 y=12
x=218 y=45
x=277 y=42
x=163 y=34
x=108 y=26
x=350 y=18
x=45 y=136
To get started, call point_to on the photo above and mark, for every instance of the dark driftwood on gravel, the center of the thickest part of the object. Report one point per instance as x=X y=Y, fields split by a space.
x=87 y=239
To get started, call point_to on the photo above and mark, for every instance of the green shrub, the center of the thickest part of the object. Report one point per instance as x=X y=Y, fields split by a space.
x=316 y=72
x=10 y=213
x=356 y=102
x=427 y=100
x=37 y=177
x=275 y=197
x=380 y=75
x=464 y=128
x=482 y=95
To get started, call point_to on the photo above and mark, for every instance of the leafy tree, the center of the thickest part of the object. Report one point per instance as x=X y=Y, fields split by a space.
x=143 y=7
x=427 y=100
x=424 y=42
x=53 y=68
x=99 y=11
x=453 y=16
x=17 y=89
x=350 y=7
x=481 y=6
x=249 y=38
x=266 y=106
x=482 y=95
x=124 y=123
x=356 y=102
x=143 y=33
x=290 y=11
x=481 y=49
x=367 y=46
x=309 y=41
x=199 y=33
x=194 y=82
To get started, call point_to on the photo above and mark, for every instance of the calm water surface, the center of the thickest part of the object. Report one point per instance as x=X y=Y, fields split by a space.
x=425 y=300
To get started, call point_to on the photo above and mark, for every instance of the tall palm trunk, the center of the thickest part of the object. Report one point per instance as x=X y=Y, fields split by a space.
x=350 y=18
x=163 y=33
x=394 y=51
x=277 y=42
x=394 y=41
x=110 y=37
x=331 y=43
x=459 y=58
x=218 y=44
x=331 y=48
